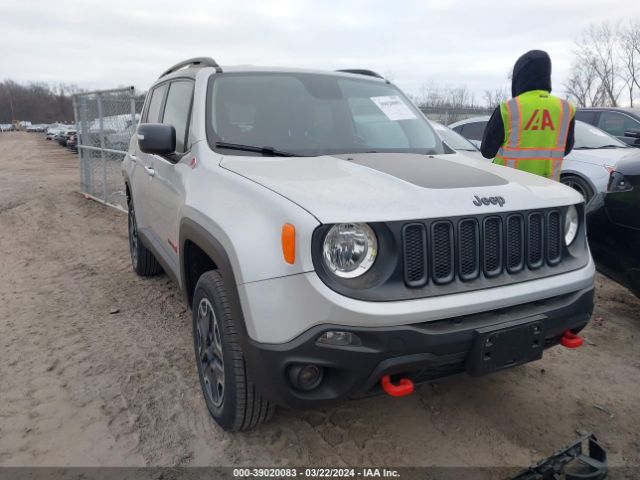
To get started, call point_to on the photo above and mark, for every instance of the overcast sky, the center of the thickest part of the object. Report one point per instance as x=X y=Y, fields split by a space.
x=103 y=44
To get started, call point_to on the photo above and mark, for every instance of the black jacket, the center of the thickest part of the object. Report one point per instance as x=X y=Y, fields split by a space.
x=532 y=71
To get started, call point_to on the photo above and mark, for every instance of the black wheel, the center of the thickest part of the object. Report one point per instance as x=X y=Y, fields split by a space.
x=142 y=260
x=579 y=184
x=229 y=394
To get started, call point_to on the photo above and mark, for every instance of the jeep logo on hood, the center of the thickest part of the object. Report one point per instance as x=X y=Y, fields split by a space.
x=479 y=201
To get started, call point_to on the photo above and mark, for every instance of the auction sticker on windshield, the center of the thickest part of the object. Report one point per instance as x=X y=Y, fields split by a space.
x=393 y=107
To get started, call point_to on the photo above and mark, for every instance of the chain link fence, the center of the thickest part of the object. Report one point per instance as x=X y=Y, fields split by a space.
x=105 y=121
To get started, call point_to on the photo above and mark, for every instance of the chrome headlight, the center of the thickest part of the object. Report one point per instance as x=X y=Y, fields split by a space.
x=349 y=249
x=571 y=222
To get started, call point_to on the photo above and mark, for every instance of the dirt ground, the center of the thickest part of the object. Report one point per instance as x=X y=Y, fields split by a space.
x=80 y=385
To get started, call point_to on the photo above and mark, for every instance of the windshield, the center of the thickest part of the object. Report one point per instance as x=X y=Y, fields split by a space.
x=453 y=138
x=315 y=114
x=590 y=137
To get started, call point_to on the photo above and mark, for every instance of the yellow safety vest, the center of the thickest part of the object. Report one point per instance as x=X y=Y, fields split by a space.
x=536 y=124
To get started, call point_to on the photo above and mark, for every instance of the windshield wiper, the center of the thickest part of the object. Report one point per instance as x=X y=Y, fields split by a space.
x=600 y=146
x=270 y=151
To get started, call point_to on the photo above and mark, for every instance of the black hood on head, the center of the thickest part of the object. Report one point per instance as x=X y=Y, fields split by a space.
x=532 y=71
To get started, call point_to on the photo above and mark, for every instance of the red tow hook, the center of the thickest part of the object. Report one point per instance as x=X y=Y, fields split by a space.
x=571 y=340
x=404 y=388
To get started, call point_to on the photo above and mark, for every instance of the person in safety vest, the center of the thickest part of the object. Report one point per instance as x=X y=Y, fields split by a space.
x=534 y=130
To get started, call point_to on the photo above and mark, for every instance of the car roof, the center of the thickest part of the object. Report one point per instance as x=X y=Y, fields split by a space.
x=192 y=71
x=633 y=111
x=482 y=118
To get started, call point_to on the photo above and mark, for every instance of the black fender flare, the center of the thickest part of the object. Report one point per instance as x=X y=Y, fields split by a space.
x=193 y=232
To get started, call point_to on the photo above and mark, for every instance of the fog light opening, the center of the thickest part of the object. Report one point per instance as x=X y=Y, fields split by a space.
x=306 y=377
x=337 y=338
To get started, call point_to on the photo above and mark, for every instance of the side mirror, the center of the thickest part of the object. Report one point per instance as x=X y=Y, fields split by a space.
x=157 y=138
x=632 y=133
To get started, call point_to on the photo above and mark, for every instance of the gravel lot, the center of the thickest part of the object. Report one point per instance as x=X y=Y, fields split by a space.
x=80 y=385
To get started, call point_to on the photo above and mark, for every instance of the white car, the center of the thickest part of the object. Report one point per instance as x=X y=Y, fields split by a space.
x=456 y=141
x=330 y=248
x=586 y=169
x=55 y=129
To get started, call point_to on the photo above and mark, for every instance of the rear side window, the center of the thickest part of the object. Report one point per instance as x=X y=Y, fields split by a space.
x=155 y=104
x=617 y=123
x=177 y=109
x=586 y=116
x=474 y=131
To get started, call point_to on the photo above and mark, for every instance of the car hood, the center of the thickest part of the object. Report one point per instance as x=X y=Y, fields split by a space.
x=603 y=156
x=382 y=187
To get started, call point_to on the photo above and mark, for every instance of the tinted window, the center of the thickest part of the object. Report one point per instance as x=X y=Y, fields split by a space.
x=589 y=137
x=474 y=131
x=176 y=111
x=617 y=123
x=155 y=104
x=316 y=114
x=586 y=116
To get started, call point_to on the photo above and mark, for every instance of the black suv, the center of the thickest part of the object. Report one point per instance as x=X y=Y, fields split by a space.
x=620 y=122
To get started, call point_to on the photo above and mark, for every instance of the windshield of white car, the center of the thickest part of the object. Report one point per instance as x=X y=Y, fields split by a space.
x=454 y=139
x=588 y=137
x=314 y=114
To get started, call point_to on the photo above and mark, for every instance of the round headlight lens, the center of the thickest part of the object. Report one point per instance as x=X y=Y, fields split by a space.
x=349 y=249
x=570 y=225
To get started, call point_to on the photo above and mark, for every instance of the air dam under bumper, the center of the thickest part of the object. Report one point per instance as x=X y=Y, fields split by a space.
x=421 y=352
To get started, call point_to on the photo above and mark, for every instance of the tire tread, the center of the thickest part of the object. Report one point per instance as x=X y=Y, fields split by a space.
x=251 y=409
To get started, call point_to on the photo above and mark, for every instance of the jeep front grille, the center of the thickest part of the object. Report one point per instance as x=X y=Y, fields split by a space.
x=415 y=248
x=468 y=249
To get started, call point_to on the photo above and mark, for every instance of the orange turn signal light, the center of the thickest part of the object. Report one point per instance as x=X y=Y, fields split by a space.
x=289 y=243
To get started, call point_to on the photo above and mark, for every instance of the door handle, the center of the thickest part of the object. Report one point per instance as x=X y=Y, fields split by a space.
x=150 y=171
x=133 y=157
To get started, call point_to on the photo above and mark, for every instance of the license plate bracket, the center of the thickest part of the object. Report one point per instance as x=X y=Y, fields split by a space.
x=506 y=345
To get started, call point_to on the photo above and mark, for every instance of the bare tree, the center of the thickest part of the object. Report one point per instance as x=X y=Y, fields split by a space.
x=433 y=96
x=629 y=55
x=459 y=97
x=36 y=102
x=583 y=86
x=493 y=98
x=597 y=49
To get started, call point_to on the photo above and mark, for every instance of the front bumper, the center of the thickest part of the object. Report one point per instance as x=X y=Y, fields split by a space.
x=421 y=352
x=281 y=309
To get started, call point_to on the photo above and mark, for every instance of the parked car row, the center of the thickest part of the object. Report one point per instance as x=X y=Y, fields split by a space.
x=604 y=167
x=64 y=135
x=24 y=125
x=38 y=128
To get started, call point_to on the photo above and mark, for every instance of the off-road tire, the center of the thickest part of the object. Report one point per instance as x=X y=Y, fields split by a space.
x=241 y=407
x=142 y=260
x=579 y=184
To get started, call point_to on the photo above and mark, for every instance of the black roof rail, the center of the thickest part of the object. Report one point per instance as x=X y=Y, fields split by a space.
x=194 y=62
x=362 y=71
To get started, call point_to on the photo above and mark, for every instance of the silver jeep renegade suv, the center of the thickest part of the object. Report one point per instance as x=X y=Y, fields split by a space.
x=331 y=246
